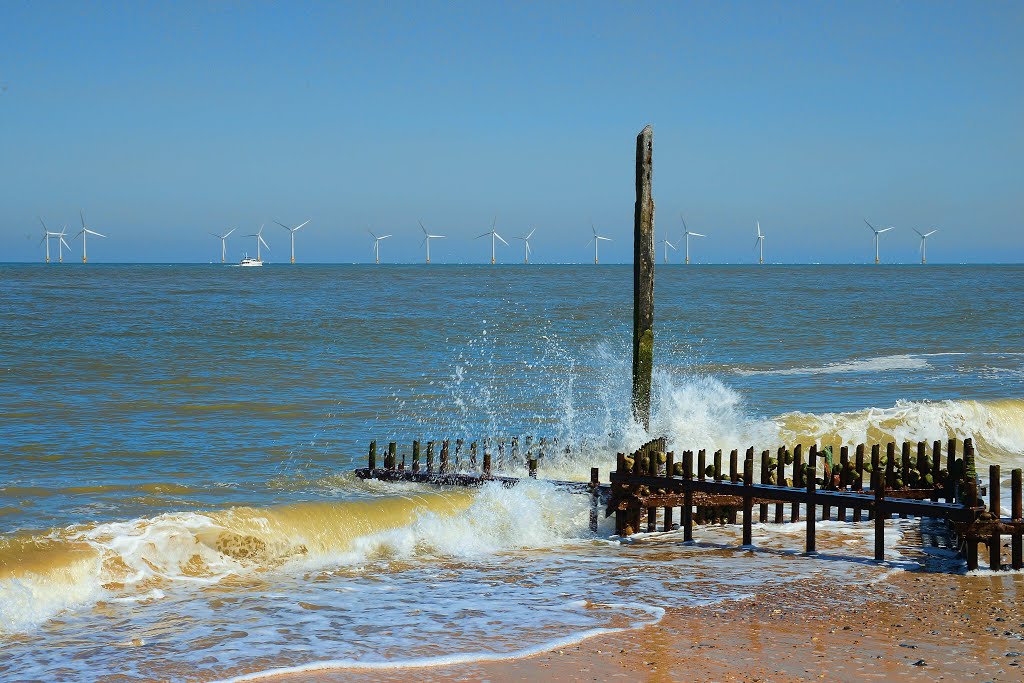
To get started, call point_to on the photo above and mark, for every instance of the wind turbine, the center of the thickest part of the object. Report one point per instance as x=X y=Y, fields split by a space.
x=47 y=234
x=223 y=243
x=666 y=246
x=426 y=239
x=259 y=241
x=376 y=245
x=494 y=235
x=61 y=244
x=596 y=239
x=292 y=231
x=526 y=241
x=759 y=243
x=924 y=248
x=877 y=233
x=85 y=232
x=687 y=233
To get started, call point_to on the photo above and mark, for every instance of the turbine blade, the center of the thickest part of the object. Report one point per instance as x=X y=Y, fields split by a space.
x=501 y=238
x=930 y=233
x=282 y=225
x=65 y=243
x=228 y=233
x=483 y=235
x=82 y=214
x=885 y=230
x=869 y=225
x=697 y=234
x=531 y=233
x=297 y=227
x=93 y=232
x=384 y=237
x=422 y=228
x=371 y=232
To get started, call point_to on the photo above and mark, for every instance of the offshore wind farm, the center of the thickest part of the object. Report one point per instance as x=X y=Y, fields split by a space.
x=391 y=353
x=666 y=244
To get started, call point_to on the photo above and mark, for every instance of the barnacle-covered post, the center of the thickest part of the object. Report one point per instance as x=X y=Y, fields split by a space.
x=643 y=280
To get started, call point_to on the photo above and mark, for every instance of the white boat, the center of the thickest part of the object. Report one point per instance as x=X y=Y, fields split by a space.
x=248 y=261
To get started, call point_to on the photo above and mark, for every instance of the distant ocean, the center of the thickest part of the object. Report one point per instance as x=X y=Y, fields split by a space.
x=176 y=499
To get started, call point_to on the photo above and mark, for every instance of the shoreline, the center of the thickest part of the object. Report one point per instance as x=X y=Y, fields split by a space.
x=913 y=626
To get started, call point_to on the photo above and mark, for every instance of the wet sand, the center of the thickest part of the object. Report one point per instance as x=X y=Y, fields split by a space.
x=905 y=627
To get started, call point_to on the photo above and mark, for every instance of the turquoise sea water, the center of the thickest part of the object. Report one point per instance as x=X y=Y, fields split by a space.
x=175 y=443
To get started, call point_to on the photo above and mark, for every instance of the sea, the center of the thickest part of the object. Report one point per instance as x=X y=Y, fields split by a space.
x=177 y=446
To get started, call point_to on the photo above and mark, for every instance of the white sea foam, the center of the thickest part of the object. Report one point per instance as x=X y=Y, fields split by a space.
x=860 y=365
x=655 y=615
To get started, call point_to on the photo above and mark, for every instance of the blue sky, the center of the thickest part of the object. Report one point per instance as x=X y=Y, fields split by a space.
x=168 y=121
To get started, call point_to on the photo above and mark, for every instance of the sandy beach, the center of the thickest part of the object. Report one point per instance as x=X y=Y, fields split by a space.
x=913 y=626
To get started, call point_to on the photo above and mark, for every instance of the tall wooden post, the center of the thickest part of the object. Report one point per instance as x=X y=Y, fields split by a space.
x=643 y=279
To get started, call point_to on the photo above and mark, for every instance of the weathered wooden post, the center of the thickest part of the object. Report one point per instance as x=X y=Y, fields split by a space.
x=445 y=464
x=643 y=279
x=858 y=479
x=430 y=457
x=595 y=497
x=878 y=479
x=952 y=494
x=876 y=463
x=762 y=512
x=687 y=511
x=1017 y=513
x=390 y=460
x=415 y=456
x=995 y=544
x=734 y=477
x=372 y=460
x=652 y=471
x=748 y=499
x=971 y=496
x=812 y=508
x=702 y=511
x=670 y=462
x=780 y=480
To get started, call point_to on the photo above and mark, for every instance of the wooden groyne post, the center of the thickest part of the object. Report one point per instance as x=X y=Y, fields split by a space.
x=643 y=280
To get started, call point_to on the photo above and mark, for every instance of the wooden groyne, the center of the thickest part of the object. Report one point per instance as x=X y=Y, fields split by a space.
x=650 y=485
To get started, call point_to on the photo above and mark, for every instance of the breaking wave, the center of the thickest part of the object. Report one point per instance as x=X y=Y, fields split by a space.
x=137 y=560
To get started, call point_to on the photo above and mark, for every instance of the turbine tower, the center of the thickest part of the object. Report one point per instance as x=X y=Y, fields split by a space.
x=687 y=233
x=223 y=243
x=292 y=231
x=426 y=239
x=259 y=240
x=596 y=239
x=47 y=234
x=376 y=245
x=666 y=245
x=494 y=235
x=877 y=233
x=760 y=243
x=924 y=247
x=526 y=241
x=85 y=231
